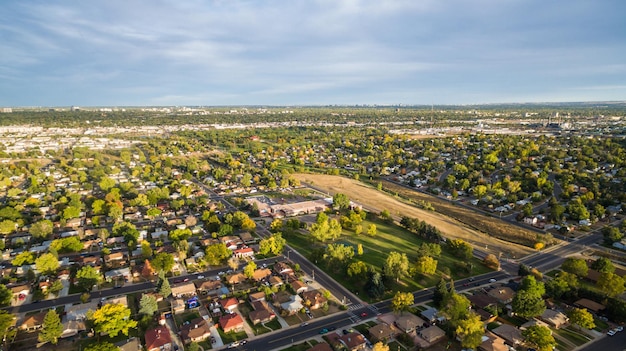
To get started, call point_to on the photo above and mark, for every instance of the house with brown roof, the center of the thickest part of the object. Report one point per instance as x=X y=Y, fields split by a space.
x=197 y=330
x=431 y=334
x=481 y=300
x=21 y=289
x=313 y=299
x=298 y=286
x=256 y=296
x=115 y=259
x=502 y=294
x=247 y=238
x=261 y=313
x=509 y=333
x=283 y=269
x=231 y=322
x=131 y=344
x=33 y=322
x=236 y=278
x=275 y=281
x=209 y=287
x=381 y=332
x=158 y=339
x=408 y=322
x=590 y=305
x=185 y=289
x=353 y=341
x=554 y=318
x=260 y=274
x=492 y=342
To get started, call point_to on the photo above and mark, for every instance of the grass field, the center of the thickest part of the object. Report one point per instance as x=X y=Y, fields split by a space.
x=376 y=248
x=451 y=227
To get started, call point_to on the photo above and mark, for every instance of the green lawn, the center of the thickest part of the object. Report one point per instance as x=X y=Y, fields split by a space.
x=389 y=237
x=227 y=338
x=573 y=336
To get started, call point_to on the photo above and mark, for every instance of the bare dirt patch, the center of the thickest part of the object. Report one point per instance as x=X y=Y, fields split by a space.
x=375 y=200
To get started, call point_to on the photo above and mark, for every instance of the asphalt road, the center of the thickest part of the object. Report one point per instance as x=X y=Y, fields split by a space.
x=616 y=342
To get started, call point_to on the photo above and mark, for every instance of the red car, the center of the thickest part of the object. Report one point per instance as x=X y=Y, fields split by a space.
x=364 y=314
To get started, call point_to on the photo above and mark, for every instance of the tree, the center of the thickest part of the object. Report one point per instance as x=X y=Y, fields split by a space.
x=562 y=284
x=6 y=321
x=5 y=295
x=106 y=184
x=582 y=318
x=7 y=226
x=341 y=201
x=87 y=277
x=47 y=263
x=429 y=249
x=441 y=293
x=426 y=265
x=165 y=289
x=539 y=336
x=359 y=249
x=372 y=230
x=457 y=308
x=147 y=271
x=379 y=346
x=402 y=301
x=112 y=319
x=25 y=257
x=98 y=206
x=528 y=304
x=470 y=331
x=338 y=255
x=491 y=261
x=603 y=265
x=233 y=262
x=52 y=328
x=249 y=269
x=273 y=245
x=41 y=229
x=357 y=269
x=69 y=244
x=102 y=346
x=460 y=248
x=216 y=254
x=71 y=212
x=611 y=284
x=194 y=346
x=396 y=265
x=576 y=266
x=611 y=234
x=163 y=262
x=148 y=305
x=128 y=231
x=180 y=234
x=146 y=249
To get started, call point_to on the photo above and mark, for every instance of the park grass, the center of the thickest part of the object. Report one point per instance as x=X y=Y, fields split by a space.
x=389 y=237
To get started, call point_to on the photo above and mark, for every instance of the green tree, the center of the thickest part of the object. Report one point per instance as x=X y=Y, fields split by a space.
x=52 y=328
x=98 y=207
x=528 y=304
x=357 y=269
x=71 y=212
x=372 y=230
x=112 y=319
x=41 y=229
x=359 y=249
x=163 y=262
x=194 y=346
x=470 y=331
x=539 y=336
x=603 y=265
x=426 y=265
x=6 y=321
x=128 y=231
x=457 y=308
x=611 y=284
x=5 y=295
x=146 y=249
x=562 y=284
x=25 y=257
x=47 y=263
x=401 y=301
x=106 y=184
x=249 y=269
x=7 y=226
x=582 y=318
x=180 y=234
x=341 y=201
x=576 y=266
x=611 y=234
x=69 y=244
x=148 y=305
x=87 y=277
x=216 y=254
x=165 y=289
x=429 y=249
x=396 y=265
x=272 y=245
x=460 y=248
x=441 y=293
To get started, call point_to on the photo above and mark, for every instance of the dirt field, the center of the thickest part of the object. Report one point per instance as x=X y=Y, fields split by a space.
x=375 y=200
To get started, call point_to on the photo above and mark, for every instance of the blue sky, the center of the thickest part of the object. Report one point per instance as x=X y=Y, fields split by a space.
x=290 y=52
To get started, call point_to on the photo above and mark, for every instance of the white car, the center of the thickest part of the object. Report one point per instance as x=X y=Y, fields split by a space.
x=492 y=280
x=619 y=328
x=200 y=276
x=611 y=332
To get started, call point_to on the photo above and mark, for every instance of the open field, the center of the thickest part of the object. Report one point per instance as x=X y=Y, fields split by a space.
x=376 y=200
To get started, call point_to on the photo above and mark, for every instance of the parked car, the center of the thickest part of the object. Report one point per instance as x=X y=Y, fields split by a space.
x=200 y=276
x=364 y=314
x=324 y=331
x=619 y=328
x=492 y=280
x=304 y=324
x=233 y=344
x=611 y=332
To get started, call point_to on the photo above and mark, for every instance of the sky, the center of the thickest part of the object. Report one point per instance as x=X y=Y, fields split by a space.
x=315 y=52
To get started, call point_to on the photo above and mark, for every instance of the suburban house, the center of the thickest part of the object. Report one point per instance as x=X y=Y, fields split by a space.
x=314 y=299
x=22 y=289
x=231 y=322
x=509 y=333
x=243 y=252
x=321 y=347
x=276 y=281
x=197 y=330
x=260 y=274
x=408 y=322
x=292 y=305
x=592 y=306
x=158 y=339
x=431 y=334
x=481 y=300
x=185 y=289
x=353 y=341
x=431 y=314
x=33 y=322
x=229 y=304
x=261 y=313
x=282 y=269
x=381 y=332
x=132 y=344
x=298 y=286
x=503 y=295
x=236 y=278
x=115 y=259
x=256 y=296
x=79 y=312
x=555 y=319
x=492 y=342
x=210 y=287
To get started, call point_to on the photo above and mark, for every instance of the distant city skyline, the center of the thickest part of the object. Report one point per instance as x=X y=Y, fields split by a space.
x=323 y=52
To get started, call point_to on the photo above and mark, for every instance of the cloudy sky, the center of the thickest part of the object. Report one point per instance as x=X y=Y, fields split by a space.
x=292 y=52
